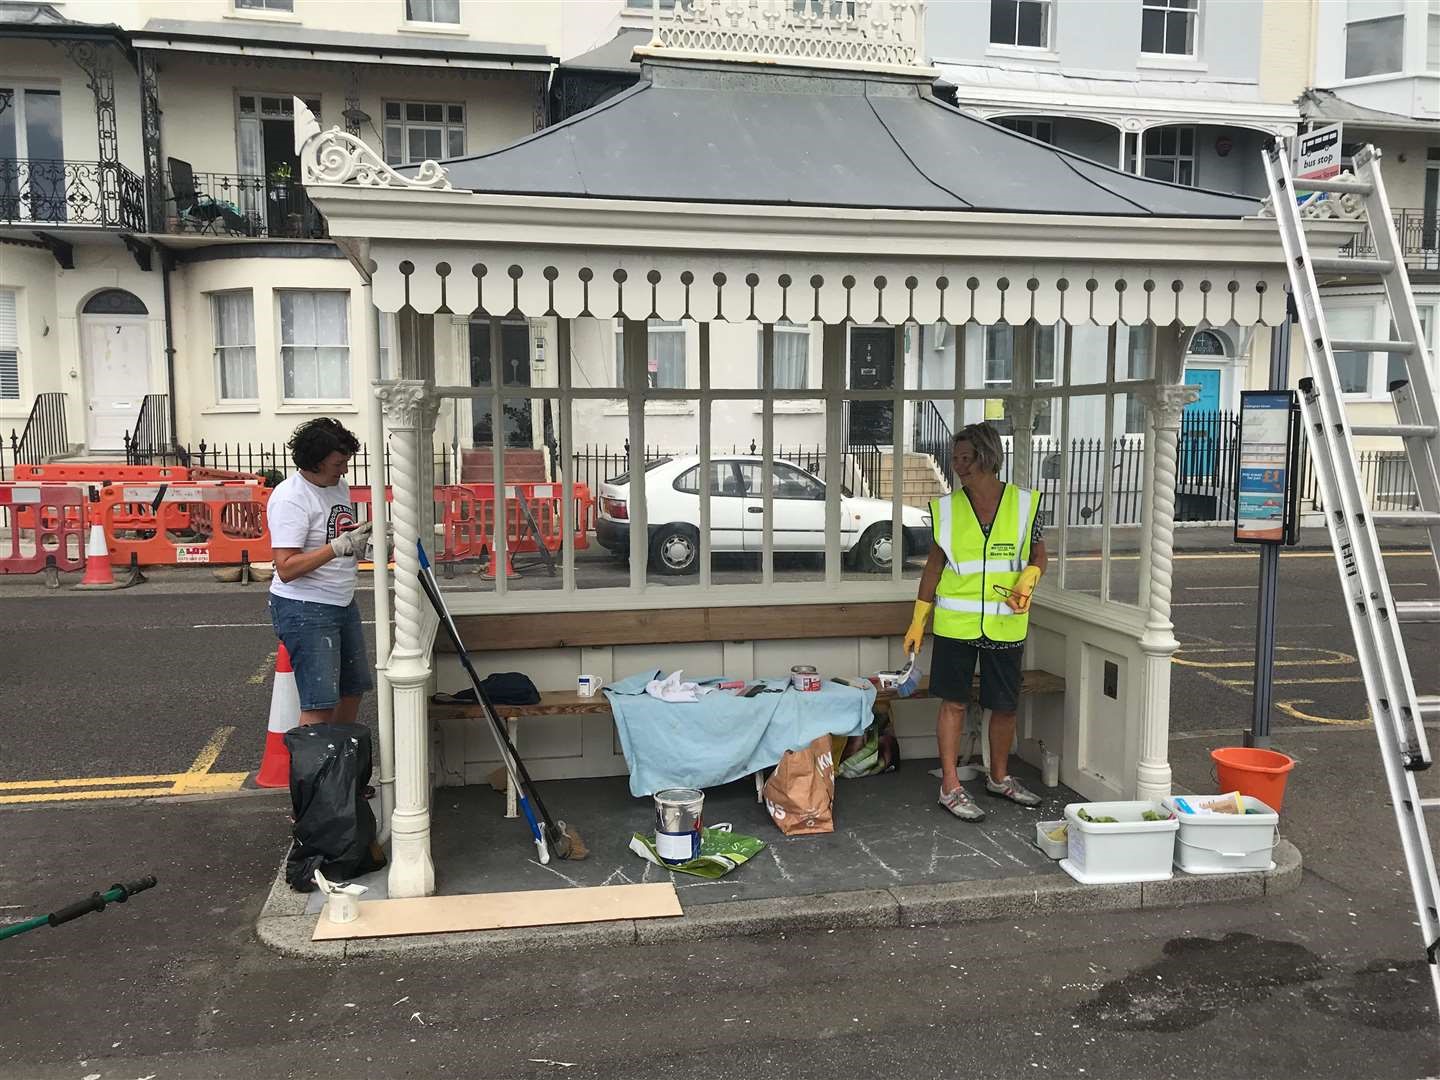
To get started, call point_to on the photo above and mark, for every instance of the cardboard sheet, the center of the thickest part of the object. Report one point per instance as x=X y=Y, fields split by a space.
x=495 y=911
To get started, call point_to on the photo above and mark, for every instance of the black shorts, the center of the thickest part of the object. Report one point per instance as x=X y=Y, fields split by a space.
x=952 y=673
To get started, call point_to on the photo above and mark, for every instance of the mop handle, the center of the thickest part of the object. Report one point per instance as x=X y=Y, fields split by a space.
x=512 y=760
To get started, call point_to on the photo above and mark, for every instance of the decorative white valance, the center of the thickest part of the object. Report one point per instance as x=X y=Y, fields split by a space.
x=461 y=279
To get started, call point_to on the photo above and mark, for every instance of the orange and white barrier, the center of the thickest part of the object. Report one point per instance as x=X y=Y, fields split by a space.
x=45 y=526
x=284 y=715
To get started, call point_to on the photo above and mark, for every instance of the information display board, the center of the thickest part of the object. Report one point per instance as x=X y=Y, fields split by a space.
x=1265 y=487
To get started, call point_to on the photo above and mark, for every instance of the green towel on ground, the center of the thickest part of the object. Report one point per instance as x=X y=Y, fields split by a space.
x=720 y=852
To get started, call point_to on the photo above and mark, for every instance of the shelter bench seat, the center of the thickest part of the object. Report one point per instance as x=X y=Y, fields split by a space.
x=575 y=630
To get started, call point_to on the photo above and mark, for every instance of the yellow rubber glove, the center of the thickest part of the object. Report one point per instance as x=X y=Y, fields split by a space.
x=915 y=636
x=1019 y=598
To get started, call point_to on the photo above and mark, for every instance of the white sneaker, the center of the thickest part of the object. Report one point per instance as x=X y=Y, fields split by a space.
x=959 y=803
x=1012 y=789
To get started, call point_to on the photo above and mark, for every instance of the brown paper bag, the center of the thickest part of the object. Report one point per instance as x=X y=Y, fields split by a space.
x=800 y=793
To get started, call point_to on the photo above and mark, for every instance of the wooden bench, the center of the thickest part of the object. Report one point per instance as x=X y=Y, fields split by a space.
x=551 y=630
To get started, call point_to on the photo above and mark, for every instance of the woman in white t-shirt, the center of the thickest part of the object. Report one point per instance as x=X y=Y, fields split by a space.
x=312 y=596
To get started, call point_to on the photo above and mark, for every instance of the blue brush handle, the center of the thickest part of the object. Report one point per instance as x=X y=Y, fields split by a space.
x=534 y=829
x=424 y=559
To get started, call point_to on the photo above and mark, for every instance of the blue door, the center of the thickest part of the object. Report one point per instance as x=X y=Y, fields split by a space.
x=1200 y=426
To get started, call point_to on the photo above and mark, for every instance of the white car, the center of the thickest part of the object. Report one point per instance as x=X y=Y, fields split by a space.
x=672 y=501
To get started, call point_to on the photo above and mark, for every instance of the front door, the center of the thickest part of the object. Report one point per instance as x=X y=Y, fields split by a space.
x=117 y=376
x=1199 y=431
x=872 y=367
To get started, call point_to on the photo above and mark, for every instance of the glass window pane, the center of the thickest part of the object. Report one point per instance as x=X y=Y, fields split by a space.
x=456 y=147
x=1187 y=141
x=42 y=125
x=392 y=110
x=1032 y=26
x=999 y=354
x=434 y=114
x=1152 y=31
x=1002 y=21
x=394 y=144
x=447 y=11
x=455 y=114
x=414 y=111
x=1374 y=47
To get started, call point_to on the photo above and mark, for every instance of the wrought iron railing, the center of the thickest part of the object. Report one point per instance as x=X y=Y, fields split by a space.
x=151 y=437
x=231 y=204
x=45 y=437
x=931 y=435
x=1418 y=232
x=45 y=191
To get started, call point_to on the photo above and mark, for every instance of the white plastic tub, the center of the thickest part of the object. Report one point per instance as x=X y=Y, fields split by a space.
x=1056 y=849
x=1225 y=843
x=1130 y=849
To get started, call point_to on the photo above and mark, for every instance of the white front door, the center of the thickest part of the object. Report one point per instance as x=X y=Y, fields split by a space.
x=117 y=376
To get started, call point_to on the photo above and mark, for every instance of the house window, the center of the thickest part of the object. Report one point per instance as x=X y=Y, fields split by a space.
x=9 y=347
x=315 y=345
x=1354 y=323
x=1043 y=130
x=1170 y=154
x=432 y=11
x=264 y=5
x=418 y=131
x=792 y=358
x=1374 y=38
x=233 y=314
x=1167 y=27
x=1000 y=365
x=30 y=132
x=1432 y=39
x=1022 y=23
x=665 y=355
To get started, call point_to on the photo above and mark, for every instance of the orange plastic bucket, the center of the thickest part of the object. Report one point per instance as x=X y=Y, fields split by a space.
x=1251 y=771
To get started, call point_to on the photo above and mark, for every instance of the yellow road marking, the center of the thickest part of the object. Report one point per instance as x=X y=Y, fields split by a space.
x=1289 y=709
x=197 y=779
x=1339 y=659
x=266 y=670
x=1290 y=682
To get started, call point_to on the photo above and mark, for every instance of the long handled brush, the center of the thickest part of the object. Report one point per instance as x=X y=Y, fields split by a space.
x=550 y=835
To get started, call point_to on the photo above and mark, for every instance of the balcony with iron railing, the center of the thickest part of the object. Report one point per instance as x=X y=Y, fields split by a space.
x=1418 y=232
x=53 y=192
x=235 y=204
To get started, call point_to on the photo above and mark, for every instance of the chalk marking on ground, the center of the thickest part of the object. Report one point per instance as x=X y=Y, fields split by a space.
x=876 y=859
x=1289 y=709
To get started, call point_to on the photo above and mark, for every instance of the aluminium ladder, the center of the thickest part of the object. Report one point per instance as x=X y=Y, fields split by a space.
x=1398 y=713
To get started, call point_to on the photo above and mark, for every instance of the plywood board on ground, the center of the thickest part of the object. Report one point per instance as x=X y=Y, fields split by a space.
x=497 y=911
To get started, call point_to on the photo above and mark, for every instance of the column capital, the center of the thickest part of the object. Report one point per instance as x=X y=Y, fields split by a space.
x=1166 y=403
x=409 y=404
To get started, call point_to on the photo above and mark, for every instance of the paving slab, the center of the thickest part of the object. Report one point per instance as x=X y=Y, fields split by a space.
x=895 y=859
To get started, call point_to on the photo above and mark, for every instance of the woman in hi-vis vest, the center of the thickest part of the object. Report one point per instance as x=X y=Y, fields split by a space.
x=986 y=557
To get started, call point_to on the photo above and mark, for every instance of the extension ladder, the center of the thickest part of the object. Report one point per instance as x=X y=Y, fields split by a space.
x=1376 y=616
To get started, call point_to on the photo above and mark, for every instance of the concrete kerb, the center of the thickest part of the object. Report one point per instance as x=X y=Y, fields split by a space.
x=284 y=926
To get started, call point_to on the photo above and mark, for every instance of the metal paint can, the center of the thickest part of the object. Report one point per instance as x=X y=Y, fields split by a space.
x=677 y=824
x=805 y=677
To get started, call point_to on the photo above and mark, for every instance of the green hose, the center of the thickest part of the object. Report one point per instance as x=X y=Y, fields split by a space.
x=116 y=894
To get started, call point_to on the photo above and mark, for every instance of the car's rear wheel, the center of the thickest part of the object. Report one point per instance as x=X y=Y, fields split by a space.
x=874 y=553
x=675 y=549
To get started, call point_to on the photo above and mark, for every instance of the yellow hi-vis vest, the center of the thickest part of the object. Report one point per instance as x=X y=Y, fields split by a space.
x=967 y=606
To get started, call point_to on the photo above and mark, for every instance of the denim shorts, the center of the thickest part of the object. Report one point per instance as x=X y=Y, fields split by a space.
x=326 y=647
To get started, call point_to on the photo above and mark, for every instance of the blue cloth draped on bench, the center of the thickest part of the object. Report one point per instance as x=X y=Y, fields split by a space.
x=723 y=737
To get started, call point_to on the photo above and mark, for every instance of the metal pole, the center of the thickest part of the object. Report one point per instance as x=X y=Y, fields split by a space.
x=1259 y=733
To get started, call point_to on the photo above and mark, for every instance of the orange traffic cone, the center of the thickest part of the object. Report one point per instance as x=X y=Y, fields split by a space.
x=97 y=560
x=284 y=715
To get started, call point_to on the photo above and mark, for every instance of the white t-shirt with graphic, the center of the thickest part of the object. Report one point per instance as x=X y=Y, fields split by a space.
x=305 y=516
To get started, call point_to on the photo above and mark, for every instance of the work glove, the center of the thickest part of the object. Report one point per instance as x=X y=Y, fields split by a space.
x=349 y=544
x=915 y=636
x=1019 y=598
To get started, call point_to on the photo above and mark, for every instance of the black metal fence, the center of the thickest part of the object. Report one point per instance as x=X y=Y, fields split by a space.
x=55 y=191
x=1418 y=232
x=45 y=436
x=151 y=437
x=272 y=460
x=235 y=204
x=1385 y=478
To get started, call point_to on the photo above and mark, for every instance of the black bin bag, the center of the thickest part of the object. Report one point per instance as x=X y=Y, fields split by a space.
x=334 y=828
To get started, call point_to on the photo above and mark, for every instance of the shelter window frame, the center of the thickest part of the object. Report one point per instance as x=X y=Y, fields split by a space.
x=645 y=589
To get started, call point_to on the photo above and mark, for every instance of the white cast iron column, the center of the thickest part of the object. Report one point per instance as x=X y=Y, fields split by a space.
x=410 y=406
x=1158 y=642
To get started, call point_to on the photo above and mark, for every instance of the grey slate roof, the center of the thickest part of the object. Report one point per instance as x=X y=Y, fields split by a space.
x=613 y=57
x=696 y=135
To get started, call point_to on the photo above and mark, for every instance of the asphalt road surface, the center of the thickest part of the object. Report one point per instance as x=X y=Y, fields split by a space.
x=1322 y=982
